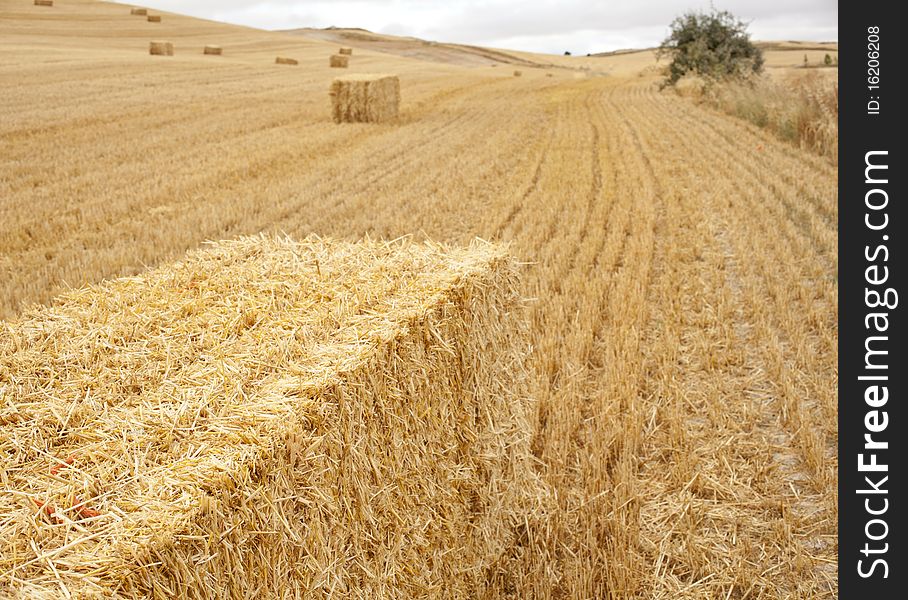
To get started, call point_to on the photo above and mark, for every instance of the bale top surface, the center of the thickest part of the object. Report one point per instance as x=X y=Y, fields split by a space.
x=120 y=400
x=363 y=77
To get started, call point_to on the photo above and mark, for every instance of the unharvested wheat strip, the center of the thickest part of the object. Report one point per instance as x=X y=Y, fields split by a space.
x=339 y=61
x=141 y=12
x=214 y=50
x=281 y=60
x=365 y=98
x=365 y=404
x=161 y=48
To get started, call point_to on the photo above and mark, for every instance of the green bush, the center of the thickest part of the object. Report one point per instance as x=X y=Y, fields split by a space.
x=713 y=45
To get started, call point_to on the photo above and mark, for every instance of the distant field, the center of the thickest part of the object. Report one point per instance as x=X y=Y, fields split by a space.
x=681 y=264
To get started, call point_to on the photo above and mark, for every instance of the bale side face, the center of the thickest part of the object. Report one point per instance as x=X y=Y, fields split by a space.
x=266 y=415
x=280 y=60
x=347 y=51
x=339 y=61
x=141 y=12
x=161 y=48
x=214 y=50
x=365 y=98
x=154 y=18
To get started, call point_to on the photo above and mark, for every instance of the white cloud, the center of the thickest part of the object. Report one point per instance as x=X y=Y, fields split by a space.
x=580 y=26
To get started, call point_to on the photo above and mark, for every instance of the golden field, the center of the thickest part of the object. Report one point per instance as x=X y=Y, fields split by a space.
x=679 y=277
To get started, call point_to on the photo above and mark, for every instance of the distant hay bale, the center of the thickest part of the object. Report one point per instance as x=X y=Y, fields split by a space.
x=518 y=73
x=284 y=417
x=161 y=48
x=347 y=51
x=494 y=64
x=280 y=60
x=339 y=61
x=216 y=50
x=141 y=12
x=549 y=74
x=44 y=2
x=154 y=18
x=365 y=98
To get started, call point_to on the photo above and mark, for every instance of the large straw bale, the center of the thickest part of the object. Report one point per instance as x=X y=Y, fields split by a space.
x=269 y=418
x=44 y=2
x=154 y=18
x=281 y=60
x=339 y=61
x=161 y=48
x=347 y=51
x=139 y=12
x=365 y=98
x=214 y=50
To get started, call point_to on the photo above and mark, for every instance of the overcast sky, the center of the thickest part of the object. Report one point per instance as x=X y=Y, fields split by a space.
x=579 y=26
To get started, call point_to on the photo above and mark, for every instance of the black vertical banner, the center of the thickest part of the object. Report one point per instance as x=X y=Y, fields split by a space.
x=872 y=337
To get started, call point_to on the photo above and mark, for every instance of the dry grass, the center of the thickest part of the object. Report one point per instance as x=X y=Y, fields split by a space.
x=801 y=106
x=348 y=418
x=682 y=297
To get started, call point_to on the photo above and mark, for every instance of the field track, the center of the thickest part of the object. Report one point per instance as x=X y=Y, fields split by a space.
x=682 y=276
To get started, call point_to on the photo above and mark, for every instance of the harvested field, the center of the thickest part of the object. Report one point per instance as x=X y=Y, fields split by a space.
x=385 y=379
x=681 y=292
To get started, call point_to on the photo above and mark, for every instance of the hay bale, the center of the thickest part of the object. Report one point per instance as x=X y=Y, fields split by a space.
x=365 y=98
x=549 y=75
x=141 y=12
x=44 y=2
x=280 y=60
x=267 y=415
x=346 y=51
x=161 y=48
x=518 y=73
x=154 y=18
x=339 y=61
x=214 y=50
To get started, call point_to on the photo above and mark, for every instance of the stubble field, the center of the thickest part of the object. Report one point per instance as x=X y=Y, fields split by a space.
x=681 y=265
